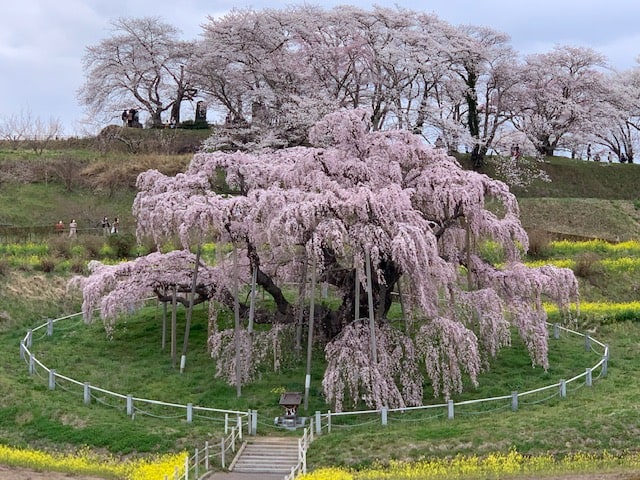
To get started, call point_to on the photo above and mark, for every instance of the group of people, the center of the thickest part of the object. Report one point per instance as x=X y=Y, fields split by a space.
x=108 y=227
x=622 y=158
x=131 y=118
x=73 y=228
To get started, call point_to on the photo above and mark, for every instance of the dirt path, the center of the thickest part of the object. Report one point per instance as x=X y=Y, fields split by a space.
x=11 y=473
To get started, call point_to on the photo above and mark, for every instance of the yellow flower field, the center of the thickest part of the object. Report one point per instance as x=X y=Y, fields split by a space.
x=88 y=463
x=496 y=466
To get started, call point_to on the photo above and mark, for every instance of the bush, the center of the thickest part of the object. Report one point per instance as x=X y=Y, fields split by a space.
x=539 y=244
x=123 y=245
x=78 y=266
x=588 y=266
x=491 y=252
x=5 y=267
x=47 y=264
x=60 y=246
x=107 y=252
x=92 y=245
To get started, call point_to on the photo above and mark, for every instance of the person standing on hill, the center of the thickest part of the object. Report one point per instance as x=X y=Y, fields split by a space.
x=115 y=226
x=59 y=227
x=105 y=226
x=73 y=228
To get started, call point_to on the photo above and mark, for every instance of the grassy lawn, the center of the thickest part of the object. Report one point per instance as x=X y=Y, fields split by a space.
x=585 y=200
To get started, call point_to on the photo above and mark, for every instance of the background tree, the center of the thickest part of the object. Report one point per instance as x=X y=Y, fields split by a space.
x=558 y=96
x=487 y=66
x=34 y=132
x=143 y=64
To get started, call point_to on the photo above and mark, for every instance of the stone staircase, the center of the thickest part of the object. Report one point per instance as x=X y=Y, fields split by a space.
x=266 y=455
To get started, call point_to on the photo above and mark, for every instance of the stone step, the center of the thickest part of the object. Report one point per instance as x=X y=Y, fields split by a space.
x=275 y=455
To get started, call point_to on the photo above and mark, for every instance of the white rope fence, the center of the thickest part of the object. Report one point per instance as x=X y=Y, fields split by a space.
x=201 y=459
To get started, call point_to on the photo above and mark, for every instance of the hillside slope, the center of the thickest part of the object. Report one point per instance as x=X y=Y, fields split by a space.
x=583 y=199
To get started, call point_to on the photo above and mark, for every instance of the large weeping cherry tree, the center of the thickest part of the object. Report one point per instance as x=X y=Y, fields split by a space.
x=361 y=201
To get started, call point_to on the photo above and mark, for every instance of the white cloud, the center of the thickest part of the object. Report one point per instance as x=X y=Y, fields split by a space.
x=42 y=41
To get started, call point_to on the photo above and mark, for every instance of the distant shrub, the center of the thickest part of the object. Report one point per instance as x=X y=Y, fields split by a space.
x=108 y=252
x=588 y=265
x=47 y=264
x=539 y=244
x=63 y=266
x=60 y=246
x=140 y=250
x=78 y=266
x=92 y=245
x=78 y=251
x=123 y=245
x=5 y=267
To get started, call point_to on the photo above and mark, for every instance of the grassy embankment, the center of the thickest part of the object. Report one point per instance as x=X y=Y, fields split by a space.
x=597 y=419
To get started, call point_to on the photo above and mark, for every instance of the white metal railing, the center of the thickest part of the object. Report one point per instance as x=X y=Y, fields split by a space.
x=303 y=446
x=133 y=405
x=326 y=421
x=233 y=435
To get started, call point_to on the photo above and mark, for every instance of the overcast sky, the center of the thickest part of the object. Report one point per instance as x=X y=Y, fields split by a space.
x=42 y=41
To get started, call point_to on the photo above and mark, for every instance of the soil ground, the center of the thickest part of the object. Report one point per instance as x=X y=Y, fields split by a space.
x=15 y=473
x=11 y=473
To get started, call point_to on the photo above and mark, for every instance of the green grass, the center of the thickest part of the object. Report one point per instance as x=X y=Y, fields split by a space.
x=584 y=200
x=132 y=362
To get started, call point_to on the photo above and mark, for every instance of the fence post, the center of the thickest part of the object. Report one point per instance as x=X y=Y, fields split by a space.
x=176 y=474
x=450 y=409
x=226 y=423
x=587 y=342
x=206 y=456
x=239 y=426
x=384 y=415
x=556 y=331
x=29 y=337
x=318 y=423
x=186 y=467
x=49 y=327
x=52 y=379
x=514 y=401
x=32 y=366
x=563 y=388
x=196 y=463
x=233 y=440
x=254 y=422
x=21 y=349
x=606 y=361
x=304 y=458
x=589 y=379
x=328 y=421
x=189 y=412
x=222 y=461
x=129 y=405
x=87 y=393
